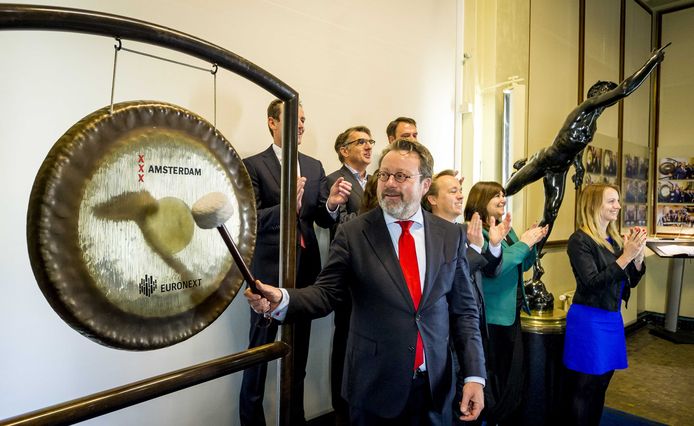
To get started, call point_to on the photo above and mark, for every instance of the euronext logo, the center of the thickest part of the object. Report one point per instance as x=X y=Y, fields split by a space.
x=148 y=285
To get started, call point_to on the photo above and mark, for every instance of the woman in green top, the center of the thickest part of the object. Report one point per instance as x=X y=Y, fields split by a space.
x=504 y=297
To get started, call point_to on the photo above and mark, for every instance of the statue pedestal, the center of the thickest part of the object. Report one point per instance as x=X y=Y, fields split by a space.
x=543 y=340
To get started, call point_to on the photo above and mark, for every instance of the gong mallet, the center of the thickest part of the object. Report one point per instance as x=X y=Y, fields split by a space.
x=212 y=211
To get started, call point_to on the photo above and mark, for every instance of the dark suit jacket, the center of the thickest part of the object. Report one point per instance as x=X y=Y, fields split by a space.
x=598 y=276
x=264 y=170
x=384 y=323
x=481 y=264
x=351 y=208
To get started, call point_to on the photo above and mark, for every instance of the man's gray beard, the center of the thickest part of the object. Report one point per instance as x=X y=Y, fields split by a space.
x=401 y=211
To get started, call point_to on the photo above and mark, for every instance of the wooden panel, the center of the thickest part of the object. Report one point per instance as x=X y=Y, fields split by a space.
x=552 y=95
x=637 y=48
x=635 y=150
x=602 y=57
x=675 y=208
x=677 y=81
x=602 y=64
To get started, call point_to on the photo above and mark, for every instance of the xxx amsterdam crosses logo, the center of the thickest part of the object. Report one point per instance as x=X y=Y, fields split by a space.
x=140 y=167
x=147 y=285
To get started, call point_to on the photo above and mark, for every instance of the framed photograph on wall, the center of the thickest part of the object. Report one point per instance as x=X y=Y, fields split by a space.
x=600 y=165
x=593 y=160
x=609 y=163
x=635 y=188
x=675 y=196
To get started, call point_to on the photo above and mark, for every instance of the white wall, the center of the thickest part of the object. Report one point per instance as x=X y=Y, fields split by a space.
x=358 y=62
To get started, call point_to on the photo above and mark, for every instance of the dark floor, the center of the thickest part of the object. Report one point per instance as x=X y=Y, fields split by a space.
x=659 y=383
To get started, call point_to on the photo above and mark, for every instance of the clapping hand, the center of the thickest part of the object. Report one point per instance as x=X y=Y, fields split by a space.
x=339 y=193
x=300 y=183
x=498 y=232
x=534 y=235
x=474 y=231
x=635 y=243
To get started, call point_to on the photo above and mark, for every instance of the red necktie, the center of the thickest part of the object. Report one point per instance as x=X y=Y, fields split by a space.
x=410 y=269
x=302 y=242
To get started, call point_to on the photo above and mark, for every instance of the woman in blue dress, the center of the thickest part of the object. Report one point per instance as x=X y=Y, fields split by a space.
x=606 y=267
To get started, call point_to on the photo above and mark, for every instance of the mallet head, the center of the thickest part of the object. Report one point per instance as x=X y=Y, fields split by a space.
x=212 y=210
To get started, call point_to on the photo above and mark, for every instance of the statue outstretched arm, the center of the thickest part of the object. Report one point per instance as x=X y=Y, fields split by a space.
x=630 y=83
x=580 y=170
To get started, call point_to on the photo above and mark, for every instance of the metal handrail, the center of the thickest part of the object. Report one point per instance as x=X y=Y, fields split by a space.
x=114 y=399
x=37 y=17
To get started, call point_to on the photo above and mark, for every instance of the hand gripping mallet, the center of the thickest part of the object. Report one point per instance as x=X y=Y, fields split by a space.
x=212 y=211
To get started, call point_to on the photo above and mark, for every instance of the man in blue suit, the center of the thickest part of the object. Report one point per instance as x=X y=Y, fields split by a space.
x=315 y=204
x=398 y=364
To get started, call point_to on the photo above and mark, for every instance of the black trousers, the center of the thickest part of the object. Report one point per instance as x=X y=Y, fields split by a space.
x=505 y=374
x=418 y=410
x=585 y=397
x=337 y=361
x=253 y=383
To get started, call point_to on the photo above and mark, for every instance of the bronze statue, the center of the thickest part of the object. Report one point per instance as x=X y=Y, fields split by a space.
x=552 y=163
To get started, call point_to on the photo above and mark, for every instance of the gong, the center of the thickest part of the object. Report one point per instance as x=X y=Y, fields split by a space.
x=111 y=237
x=666 y=168
x=665 y=190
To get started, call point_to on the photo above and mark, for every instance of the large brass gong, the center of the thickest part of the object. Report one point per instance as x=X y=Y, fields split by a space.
x=111 y=237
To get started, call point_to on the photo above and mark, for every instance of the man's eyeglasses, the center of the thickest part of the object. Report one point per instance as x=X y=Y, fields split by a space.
x=361 y=142
x=399 y=176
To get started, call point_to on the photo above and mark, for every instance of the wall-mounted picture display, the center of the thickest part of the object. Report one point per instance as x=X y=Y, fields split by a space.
x=635 y=167
x=642 y=168
x=675 y=196
x=642 y=214
x=591 y=178
x=630 y=164
x=609 y=164
x=675 y=191
x=676 y=168
x=630 y=215
x=675 y=215
x=593 y=157
x=600 y=165
x=635 y=190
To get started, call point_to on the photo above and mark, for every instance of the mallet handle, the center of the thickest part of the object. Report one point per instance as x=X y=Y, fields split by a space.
x=250 y=279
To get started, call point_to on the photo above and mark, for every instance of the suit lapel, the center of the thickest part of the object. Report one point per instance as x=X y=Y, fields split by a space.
x=305 y=169
x=272 y=165
x=357 y=191
x=307 y=172
x=376 y=233
x=510 y=236
x=505 y=244
x=433 y=239
x=476 y=282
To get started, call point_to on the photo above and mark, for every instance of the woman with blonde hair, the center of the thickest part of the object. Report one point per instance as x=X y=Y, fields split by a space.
x=606 y=267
